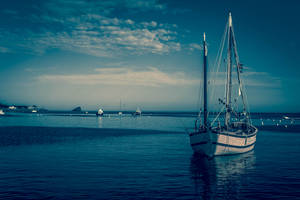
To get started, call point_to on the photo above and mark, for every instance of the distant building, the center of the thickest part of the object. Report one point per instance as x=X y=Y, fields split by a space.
x=77 y=109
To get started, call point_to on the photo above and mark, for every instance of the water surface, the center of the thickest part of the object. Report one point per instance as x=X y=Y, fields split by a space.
x=51 y=158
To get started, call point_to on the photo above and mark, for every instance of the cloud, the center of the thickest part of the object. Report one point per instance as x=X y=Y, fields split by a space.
x=261 y=79
x=111 y=5
x=151 y=77
x=9 y=12
x=194 y=46
x=150 y=24
x=129 y=21
x=88 y=27
x=123 y=73
x=114 y=37
x=248 y=78
x=4 y=50
x=144 y=5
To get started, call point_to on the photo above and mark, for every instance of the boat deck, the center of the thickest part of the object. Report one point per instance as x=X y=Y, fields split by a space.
x=237 y=128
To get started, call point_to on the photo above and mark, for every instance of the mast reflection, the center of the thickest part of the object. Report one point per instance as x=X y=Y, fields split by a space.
x=221 y=177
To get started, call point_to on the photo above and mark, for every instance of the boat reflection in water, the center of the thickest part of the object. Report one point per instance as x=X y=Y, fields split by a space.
x=221 y=177
x=99 y=122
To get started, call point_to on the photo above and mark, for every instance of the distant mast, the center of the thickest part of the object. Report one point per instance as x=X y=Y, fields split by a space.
x=120 y=112
x=205 y=80
x=229 y=68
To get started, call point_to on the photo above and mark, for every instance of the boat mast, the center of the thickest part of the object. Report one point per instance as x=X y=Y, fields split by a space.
x=205 y=80
x=229 y=67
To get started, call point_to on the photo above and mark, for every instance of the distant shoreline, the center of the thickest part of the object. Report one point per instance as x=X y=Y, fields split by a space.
x=255 y=115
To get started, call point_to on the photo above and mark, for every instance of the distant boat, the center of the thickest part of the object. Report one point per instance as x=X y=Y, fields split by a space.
x=138 y=112
x=100 y=113
x=1 y=112
x=12 y=108
x=120 y=112
x=232 y=137
x=34 y=111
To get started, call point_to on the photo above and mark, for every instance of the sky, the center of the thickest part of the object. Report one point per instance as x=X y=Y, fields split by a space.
x=59 y=54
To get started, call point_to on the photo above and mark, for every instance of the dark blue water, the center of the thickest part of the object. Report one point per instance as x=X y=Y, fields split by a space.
x=39 y=162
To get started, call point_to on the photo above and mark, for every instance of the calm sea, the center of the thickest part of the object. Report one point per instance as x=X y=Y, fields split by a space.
x=147 y=157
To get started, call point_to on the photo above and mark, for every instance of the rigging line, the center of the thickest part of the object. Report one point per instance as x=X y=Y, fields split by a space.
x=247 y=104
x=200 y=96
x=217 y=116
x=248 y=113
x=236 y=100
x=225 y=75
x=219 y=58
x=217 y=65
x=245 y=101
x=220 y=50
x=237 y=60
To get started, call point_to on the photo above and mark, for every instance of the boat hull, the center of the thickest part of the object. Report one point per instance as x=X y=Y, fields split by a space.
x=201 y=143
x=213 y=143
x=226 y=144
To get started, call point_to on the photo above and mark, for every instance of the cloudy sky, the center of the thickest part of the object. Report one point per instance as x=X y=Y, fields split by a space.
x=59 y=54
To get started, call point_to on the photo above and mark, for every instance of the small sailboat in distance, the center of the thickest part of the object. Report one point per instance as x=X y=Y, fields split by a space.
x=138 y=112
x=236 y=134
x=2 y=112
x=100 y=113
x=120 y=112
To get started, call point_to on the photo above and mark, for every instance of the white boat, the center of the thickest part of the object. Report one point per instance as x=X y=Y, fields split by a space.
x=120 y=112
x=225 y=136
x=100 y=112
x=12 y=108
x=2 y=112
x=138 y=112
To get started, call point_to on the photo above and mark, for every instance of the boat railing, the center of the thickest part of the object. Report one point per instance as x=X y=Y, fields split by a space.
x=238 y=128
